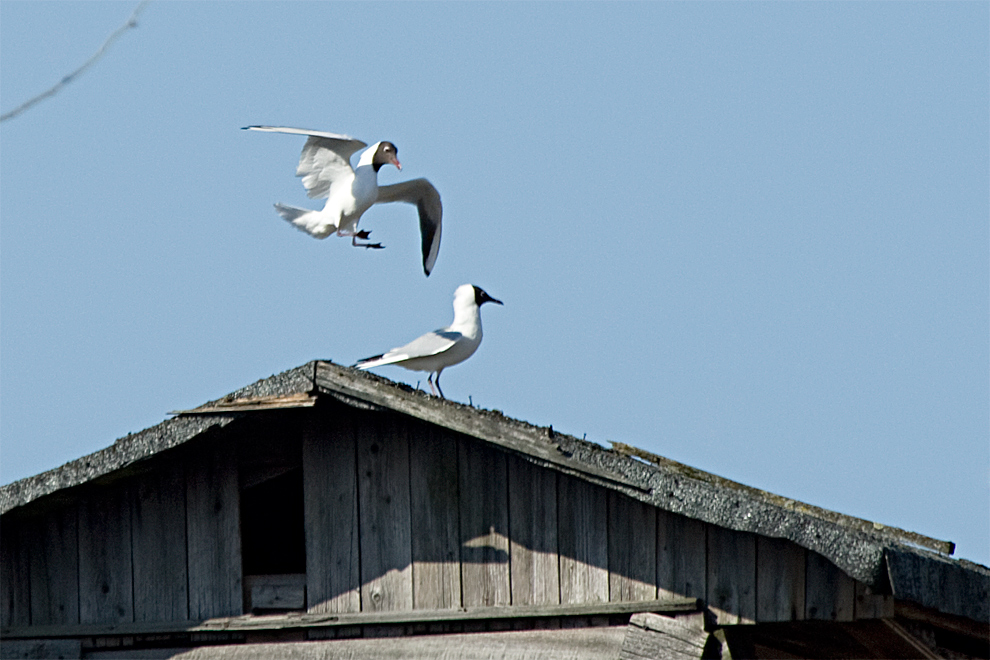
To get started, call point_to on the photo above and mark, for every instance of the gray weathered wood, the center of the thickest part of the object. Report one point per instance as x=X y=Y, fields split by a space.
x=869 y=605
x=653 y=636
x=462 y=419
x=105 y=585
x=213 y=530
x=632 y=548
x=587 y=612
x=829 y=593
x=159 y=532
x=252 y=403
x=435 y=517
x=941 y=583
x=15 y=591
x=53 y=543
x=534 y=567
x=580 y=644
x=780 y=571
x=69 y=649
x=484 y=525
x=275 y=592
x=383 y=488
x=731 y=575
x=681 y=556
x=333 y=568
x=582 y=511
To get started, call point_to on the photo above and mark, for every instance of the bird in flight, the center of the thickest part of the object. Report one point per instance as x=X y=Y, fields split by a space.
x=325 y=168
x=437 y=350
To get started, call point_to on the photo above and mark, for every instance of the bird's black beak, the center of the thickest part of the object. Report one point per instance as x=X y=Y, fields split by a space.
x=481 y=297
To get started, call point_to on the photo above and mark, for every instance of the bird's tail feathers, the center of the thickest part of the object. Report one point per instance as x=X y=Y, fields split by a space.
x=379 y=360
x=307 y=220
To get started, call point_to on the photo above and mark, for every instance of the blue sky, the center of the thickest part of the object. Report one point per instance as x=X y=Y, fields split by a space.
x=752 y=237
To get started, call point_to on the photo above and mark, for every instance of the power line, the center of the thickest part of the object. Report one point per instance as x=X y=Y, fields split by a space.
x=131 y=23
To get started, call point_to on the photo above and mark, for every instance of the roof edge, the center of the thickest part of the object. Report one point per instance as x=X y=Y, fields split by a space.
x=879 y=556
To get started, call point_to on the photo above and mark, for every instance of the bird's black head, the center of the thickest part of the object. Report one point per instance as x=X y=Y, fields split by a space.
x=480 y=297
x=385 y=154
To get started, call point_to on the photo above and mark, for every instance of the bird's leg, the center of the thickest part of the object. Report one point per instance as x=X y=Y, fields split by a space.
x=429 y=379
x=364 y=234
x=438 y=385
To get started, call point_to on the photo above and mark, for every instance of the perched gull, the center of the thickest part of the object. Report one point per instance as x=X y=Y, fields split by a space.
x=326 y=171
x=437 y=350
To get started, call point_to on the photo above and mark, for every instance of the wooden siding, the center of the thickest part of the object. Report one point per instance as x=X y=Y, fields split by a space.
x=632 y=549
x=213 y=532
x=158 y=525
x=383 y=496
x=105 y=575
x=681 y=556
x=484 y=525
x=830 y=592
x=582 y=533
x=333 y=569
x=731 y=575
x=399 y=515
x=52 y=544
x=15 y=583
x=436 y=534
x=533 y=548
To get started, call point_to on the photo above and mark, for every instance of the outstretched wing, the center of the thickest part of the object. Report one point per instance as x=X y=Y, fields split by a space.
x=427 y=345
x=325 y=158
x=427 y=199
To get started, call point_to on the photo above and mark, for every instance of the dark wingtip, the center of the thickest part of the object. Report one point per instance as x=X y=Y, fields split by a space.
x=367 y=359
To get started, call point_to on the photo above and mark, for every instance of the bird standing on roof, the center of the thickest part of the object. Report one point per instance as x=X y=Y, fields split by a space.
x=437 y=350
x=326 y=171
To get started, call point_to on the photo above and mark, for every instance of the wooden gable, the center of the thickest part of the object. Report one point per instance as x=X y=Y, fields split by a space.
x=326 y=520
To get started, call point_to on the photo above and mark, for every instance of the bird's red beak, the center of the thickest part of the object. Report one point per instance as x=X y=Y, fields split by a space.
x=398 y=165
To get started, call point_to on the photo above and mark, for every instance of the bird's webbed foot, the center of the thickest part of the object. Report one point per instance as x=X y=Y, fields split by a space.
x=363 y=235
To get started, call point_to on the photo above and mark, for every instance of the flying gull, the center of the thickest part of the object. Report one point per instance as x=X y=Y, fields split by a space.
x=326 y=171
x=437 y=350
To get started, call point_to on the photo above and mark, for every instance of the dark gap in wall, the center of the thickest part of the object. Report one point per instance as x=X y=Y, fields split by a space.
x=272 y=526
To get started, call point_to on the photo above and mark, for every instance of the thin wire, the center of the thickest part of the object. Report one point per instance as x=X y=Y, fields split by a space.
x=131 y=23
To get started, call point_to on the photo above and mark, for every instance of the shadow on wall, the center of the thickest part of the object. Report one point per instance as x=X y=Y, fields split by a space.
x=375 y=511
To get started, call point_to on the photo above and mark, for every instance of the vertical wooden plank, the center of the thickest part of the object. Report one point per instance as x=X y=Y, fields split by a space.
x=434 y=517
x=869 y=605
x=829 y=593
x=534 y=561
x=582 y=514
x=158 y=521
x=15 y=588
x=731 y=575
x=53 y=544
x=333 y=568
x=213 y=530
x=682 y=559
x=484 y=510
x=780 y=569
x=105 y=573
x=632 y=549
x=383 y=495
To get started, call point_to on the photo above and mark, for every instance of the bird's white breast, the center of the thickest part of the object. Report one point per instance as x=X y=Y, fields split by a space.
x=351 y=199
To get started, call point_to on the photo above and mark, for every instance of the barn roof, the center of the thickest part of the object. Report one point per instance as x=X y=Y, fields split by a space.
x=909 y=565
